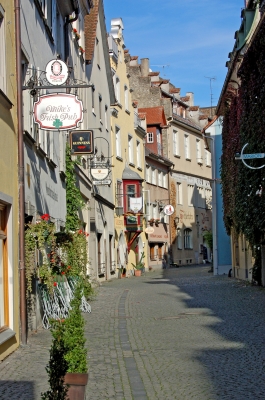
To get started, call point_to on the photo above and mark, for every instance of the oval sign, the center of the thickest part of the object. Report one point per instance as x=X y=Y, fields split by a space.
x=99 y=174
x=61 y=111
x=56 y=72
x=169 y=209
x=149 y=229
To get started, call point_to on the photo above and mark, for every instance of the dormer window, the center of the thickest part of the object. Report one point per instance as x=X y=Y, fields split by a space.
x=150 y=137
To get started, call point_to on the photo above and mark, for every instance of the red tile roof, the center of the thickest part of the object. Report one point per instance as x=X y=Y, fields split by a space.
x=185 y=98
x=174 y=90
x=194 y=108
x=153 y=73
x=91 y=21
x=134 y=58
x=154 y=115
x=126 y=51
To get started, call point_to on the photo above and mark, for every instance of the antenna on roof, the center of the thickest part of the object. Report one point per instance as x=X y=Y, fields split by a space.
x=211 y=78
x=161 y=65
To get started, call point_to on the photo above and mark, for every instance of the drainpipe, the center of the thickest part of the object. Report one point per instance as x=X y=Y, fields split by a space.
x=22 y=277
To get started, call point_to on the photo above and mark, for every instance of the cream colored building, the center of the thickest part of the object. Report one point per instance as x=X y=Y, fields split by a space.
x=9 y=279
x=128 y=160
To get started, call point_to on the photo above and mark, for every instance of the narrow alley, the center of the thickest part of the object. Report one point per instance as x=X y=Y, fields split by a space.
x=174 y=334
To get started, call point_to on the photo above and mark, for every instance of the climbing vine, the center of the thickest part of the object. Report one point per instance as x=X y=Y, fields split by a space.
x=244 y=122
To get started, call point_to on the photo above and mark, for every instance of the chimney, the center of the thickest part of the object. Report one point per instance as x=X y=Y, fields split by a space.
x=191 y=100
x=145 y=66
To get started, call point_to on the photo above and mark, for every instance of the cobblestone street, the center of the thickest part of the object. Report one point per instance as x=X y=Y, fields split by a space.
x=174 y=334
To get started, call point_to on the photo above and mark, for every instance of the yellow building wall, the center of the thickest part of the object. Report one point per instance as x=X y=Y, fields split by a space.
x=125 y=121
x=9 y=175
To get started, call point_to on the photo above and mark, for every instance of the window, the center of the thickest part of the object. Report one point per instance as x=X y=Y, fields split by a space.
x=198 y=151
x=126 y=98
x=150 y=137
x=106 y=118
x=188 y=239
x=165 y=183
x=119 y=194
x=130 y=149
x=117 y=89
x=147 y=174
x=153 y=176
x=179 y=193
x=3 y=269
x=155 y=211
x=190 y=195
x=187 y=147
x=159 y=174
x=179 y=238
x=130 y=192
x=201 y=197
x=98 y=52
x=48 y=13
x=2 y=51
x=175 y=143
x=158 y=140
x=118 y=141
x=100 y=107
x=93 y=98
x=138 y=154
x=207 y=158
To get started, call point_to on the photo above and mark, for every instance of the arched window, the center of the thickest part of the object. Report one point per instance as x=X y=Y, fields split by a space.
x=188 y=239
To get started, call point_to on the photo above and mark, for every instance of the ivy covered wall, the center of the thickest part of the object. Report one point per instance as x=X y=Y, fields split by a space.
x=244 y=122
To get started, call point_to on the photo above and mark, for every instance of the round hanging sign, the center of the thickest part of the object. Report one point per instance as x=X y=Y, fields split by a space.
x=149 y=229
x=99 y=174
x=169 y=209
x=56 y=72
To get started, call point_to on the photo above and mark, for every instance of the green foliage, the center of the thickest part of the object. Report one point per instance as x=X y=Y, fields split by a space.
x=244 y=122
x=74 y=340
x=74 y=200
x=57 y=366
x=140 y=264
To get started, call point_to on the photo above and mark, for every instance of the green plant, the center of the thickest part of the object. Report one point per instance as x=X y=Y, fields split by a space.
x=140 y=264
x=208 y=237
x=73 y=336
x=57 y=366
x=74 y=200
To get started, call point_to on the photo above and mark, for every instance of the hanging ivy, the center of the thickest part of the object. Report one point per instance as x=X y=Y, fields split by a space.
x=74 y=200
x=244 y=122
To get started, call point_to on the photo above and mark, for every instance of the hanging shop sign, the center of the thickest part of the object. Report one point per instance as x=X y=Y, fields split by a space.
x=106 y=182
x=58 y=111
x=56 y=72
x=99 y=174
x=169 y=209
x=149 y=229
x=81 y=142
x=136 y=204
x=131 y=219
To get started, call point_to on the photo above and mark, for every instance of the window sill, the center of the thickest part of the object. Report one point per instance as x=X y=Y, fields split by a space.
x=39 y=151
x=177 y=155
x=119 y=105
x=119 y=158
x=51 y=163
x=208 y=166
x=188 y=159
x=140 y=168
x=128 y=112
x=131 y=164
x=6 y=335
x=93 y=112
x=5 y=100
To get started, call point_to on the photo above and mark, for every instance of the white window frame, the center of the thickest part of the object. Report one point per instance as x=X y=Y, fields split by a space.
x=118 y=88
x=150 y=137
x=118 y=141
x=130 y=149
x=198 y=152
x=208 y=162
x=153 y=177
x=159 y=178
x=188 y=244
x=190 y=195
x=187 y=146
x=106 y=118
x=138 y=154
x=148 y=173
x=158 y=142
x=165 y=180
x=126 y=97
x=179 y=193
x=176 y=143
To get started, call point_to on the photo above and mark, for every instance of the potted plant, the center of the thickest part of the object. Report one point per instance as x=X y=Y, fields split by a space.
x=122 y=272
x=67 y=368
x=139 y=267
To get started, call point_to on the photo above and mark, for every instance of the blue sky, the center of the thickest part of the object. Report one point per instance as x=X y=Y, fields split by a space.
x=190 y=38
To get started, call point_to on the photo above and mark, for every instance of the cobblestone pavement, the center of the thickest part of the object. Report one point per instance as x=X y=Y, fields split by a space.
x=173 y=334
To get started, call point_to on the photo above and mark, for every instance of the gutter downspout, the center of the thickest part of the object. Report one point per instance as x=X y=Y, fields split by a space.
x=22 y=278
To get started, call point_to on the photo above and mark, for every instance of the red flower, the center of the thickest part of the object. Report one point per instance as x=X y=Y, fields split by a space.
x=80 y=231
x=54 y=283
x=68 y=267
x=87 y=234
x=45 y=217
x=63 y=273
x=75 y=30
